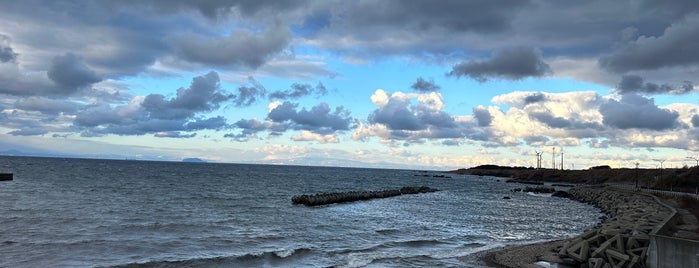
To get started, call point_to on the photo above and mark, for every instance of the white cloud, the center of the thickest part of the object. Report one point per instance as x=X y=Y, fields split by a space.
x=306 y=135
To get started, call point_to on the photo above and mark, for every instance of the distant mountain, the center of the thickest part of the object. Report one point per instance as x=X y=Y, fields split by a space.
x=194 y=160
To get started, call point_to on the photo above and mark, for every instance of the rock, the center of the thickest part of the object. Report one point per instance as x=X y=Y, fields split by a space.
x=539 y=190
x=506 y=197
x=562 y=194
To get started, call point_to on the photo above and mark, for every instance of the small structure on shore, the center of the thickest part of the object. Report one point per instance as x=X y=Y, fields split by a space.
x=343 y=197
x=6 y=176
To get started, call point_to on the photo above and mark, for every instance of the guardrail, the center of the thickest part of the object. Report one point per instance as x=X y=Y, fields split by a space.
x=656 y=191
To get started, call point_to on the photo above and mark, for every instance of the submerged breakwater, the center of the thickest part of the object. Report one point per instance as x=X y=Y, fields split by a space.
x=344 y=197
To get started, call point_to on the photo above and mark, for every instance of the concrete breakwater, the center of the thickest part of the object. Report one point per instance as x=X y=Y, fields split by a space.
x=5 y=176
x=623 y=238
x=343 y=197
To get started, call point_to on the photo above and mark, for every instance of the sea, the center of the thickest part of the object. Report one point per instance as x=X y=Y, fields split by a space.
x=62 y=212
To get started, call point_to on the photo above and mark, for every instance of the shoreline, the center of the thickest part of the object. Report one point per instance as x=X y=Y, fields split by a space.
x=630 y=218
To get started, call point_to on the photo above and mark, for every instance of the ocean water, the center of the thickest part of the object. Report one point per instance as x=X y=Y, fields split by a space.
x=105 y=213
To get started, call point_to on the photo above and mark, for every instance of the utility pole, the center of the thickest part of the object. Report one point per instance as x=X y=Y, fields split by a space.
x=661 y=167
x=636 y=175
x=561 y=158
x=554 y=158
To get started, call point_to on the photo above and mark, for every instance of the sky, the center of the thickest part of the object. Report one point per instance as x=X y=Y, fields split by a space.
x=393 y=84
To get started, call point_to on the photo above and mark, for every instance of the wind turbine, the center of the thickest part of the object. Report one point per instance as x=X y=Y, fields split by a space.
x=695 y=159
x=538 y=159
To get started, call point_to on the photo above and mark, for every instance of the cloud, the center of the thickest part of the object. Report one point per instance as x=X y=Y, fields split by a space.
x=46 y=105
x=513 y=63
x=203 y=95
x=310 y=136
x=399 y=28
x=247 y=95
x=319 y=119
x=174 y=134
x=635 y=84
x=552 y=118
x=482 y=116
x=6 y=52
x=220 y=9
x=158 y=115
x=633 y=111
x=534 y=98
x=215 y=123
x=398 y=117
x=70 y=73
x=298 y=91
x=675 y=47
x=242 y=47
x=397 y=114
x=423 y=85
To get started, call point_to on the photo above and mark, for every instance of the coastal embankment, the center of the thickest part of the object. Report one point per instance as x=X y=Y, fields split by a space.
x=622 y=239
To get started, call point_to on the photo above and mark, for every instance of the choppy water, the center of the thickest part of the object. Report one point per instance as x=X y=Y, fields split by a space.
x=87 y=213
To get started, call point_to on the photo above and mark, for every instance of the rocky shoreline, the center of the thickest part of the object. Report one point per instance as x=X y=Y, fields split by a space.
x=620 y=240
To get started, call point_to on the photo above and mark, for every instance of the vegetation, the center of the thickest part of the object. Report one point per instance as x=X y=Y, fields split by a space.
x=682 y=179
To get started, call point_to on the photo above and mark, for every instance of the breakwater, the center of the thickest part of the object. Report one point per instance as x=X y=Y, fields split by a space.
x=5 y=176
x=344 y=197
x=623 y=238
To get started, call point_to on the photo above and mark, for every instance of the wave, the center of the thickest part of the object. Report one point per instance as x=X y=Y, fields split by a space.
x=282 y=257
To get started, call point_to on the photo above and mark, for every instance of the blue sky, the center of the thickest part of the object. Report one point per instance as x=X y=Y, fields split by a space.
x=398 y=84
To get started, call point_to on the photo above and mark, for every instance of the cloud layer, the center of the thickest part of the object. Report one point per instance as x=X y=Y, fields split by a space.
x=260 y=72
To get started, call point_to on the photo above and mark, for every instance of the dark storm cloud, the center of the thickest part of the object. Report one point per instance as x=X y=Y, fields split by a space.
x=70 y=72
x=483 y=116
x=675 y=47
x=551 y=121
x=298 y=91
x=695 y=120
x=399 y=115
x=536 y=140
x=6 y=52
x=203 y=95
x=481 y=16
x=47 y=105
x=251 y=126
x=319 y=119
x=634 y=111
x=102 y=114
x=249 y=94
x=576 y=128
x=240 y=48
x=534 y=98
x=514 y=63
x=635 y=84
x=216 y=123
x=158 y=115
x=423 y=85
x=221 y=8
x=29 y=131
